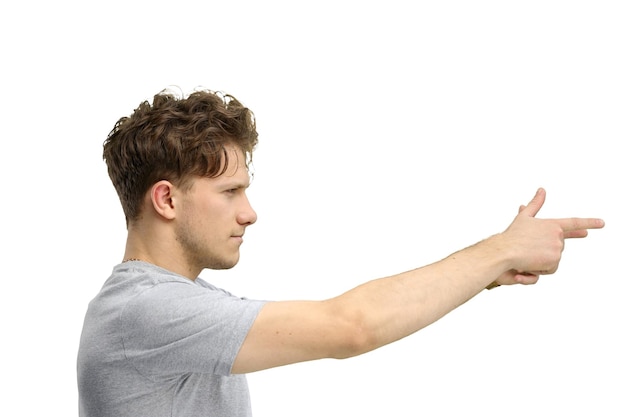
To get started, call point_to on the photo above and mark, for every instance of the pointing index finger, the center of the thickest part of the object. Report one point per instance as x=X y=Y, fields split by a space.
x=576 y=227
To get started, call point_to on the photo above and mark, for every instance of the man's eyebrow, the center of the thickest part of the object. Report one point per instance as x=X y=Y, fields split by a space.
x=236 y=184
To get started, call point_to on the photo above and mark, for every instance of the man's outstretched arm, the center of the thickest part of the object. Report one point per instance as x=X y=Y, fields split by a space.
x=388 y=309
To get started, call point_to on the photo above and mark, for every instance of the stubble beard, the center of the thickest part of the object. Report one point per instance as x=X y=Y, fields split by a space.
x=199 y=253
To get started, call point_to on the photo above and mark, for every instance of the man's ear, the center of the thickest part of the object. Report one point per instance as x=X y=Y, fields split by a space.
x=161 y=196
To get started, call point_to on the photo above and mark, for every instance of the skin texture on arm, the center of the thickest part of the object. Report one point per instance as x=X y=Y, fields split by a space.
x=385 y=310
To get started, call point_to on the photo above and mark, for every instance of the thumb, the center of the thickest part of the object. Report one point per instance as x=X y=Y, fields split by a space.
x=535 y=204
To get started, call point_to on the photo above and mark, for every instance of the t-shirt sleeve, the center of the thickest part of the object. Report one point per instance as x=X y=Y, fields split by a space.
x=174 y=328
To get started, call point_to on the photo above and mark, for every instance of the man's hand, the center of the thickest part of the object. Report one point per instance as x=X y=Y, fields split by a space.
x=537 y=244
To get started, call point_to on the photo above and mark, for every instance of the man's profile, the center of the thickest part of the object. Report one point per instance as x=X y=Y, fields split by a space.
x=160 y=341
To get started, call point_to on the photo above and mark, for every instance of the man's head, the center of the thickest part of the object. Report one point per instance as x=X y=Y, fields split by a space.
x=176 y=139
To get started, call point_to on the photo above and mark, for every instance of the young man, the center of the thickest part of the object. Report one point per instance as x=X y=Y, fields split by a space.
x=159 y=341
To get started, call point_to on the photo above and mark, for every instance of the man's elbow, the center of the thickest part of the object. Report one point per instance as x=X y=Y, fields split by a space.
x=356 y=336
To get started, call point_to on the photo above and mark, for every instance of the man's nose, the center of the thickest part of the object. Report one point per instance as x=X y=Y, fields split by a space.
x=247 y=215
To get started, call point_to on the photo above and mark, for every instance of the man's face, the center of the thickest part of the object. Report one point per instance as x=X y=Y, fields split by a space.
x=214 y=215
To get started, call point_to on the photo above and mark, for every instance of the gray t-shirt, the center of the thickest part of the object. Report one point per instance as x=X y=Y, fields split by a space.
x=155 y=343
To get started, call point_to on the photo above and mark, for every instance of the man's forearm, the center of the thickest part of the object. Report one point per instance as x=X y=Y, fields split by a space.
x=394 y=307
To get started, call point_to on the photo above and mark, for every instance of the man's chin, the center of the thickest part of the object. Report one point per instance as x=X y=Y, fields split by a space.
x=223 y=264
x=221 y=267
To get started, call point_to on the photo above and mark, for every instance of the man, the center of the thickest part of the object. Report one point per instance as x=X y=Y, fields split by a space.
x=159 y=341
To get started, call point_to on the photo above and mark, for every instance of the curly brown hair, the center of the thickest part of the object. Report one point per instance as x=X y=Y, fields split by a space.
x=175 y=139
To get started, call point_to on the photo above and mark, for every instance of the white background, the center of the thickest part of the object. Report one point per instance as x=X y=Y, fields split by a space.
x=391 y=134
